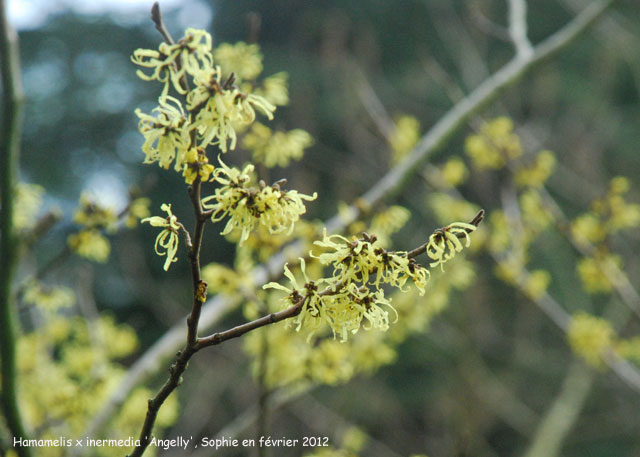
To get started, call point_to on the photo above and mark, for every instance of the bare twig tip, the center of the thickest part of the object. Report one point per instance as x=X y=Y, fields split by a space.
x=478 y=218
x=156 y=15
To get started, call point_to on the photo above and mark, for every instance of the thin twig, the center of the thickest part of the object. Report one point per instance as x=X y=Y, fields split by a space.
x=13 y=100
x=240 y=330
x=518 y=28
x=561 y=416
x=199 y=286
x=42 y=227
x=156 y=17
x=372 y=103
x=182 y=358
x=486 y=25
x=175 y=379
x=391 y=184
x=264 y=390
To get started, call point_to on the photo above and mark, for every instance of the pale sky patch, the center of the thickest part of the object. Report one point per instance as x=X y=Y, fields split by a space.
x=32 y=14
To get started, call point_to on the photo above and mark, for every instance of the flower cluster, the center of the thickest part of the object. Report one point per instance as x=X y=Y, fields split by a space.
x=197 y=166
x=590 y=336
x=93 y=215
x=274 y=89
x=342 y=309
x=276 y=148
x=354 y=291
x=172 y=61
x=219 y=106
x=614 y=211
x=215 y=106
x=494 y=145
x=138 y=209
x=537 y=173
x=597 y=271
x=94 y=218
x=608 y=215
x=244 y=58
x=364 y=261
x=454 y=172
x=48 y=297
x=247 y=206
x=217 y=100
x=166 y=135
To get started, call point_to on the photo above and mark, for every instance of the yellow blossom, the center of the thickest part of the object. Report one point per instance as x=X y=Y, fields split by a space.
x=50 y=298
x=329 y=363
x=364 y=261
x=270 y=206
x=494 y=144
x=167 y=240
x=588 y=228
x=312 y=309
x=619 y=185
x=171 y=61
x=535 y=215
x=197 y=165
x=445 y=242
x=276 y=148
x=510 y=268
x=591 y=271
x=275 y=89
x=536 y=174
x=629 y=348
x=220 y=108
x=243 y=59
x=623 y=214
x=119 y=340
x=91 y=214
x=166 y=136
x=138 y=209
x=287 y=355
x=536 y=284
x=454 y=172
x=222 y=279
x=343 y=310
x=90 y=243
x=590 y=336
x=354 y=439
x=404 y=136
x=501 y=237
x=613 y=210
